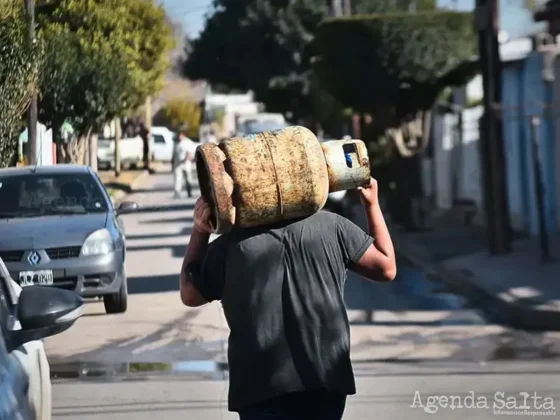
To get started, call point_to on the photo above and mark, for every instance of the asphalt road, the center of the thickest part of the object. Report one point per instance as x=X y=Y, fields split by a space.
x=385 y=391
x=158 y=358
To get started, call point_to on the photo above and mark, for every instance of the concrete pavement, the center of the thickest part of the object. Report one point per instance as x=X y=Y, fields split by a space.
x=156 y=327
x=516 y=289
x=136 y=365
x=384 y=391
x=404 y=320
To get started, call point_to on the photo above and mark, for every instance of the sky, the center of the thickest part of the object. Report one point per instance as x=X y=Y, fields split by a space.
x=515 y=19
x=191 y=13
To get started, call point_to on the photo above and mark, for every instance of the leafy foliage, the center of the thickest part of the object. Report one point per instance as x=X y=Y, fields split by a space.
x=265 y=46
x=397 y=60
x=131 y=33
x=18 y=76
x=184 y=116
x=395 y=66
x=84 y=86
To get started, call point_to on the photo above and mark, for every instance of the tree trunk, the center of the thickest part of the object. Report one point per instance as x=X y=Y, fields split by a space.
x=93 y=151
x=74 y=151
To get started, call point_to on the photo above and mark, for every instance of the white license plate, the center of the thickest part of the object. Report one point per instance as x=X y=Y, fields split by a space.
x=36 y=278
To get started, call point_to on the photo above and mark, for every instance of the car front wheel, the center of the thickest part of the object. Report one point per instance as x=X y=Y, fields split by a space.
x=116 y=303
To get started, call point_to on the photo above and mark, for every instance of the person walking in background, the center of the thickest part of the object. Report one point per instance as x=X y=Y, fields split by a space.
x=144 y=134
x=182 y=163
x=281 y=288
x=209 y=137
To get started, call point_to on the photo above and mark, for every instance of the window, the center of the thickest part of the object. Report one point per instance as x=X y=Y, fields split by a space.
x=35 y=195
x=159 y=139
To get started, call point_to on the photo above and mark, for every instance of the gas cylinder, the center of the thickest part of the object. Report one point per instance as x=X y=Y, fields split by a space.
x=264 y=178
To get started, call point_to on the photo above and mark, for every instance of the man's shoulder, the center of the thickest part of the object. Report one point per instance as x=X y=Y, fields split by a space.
x=322 y=219
x=325 y=216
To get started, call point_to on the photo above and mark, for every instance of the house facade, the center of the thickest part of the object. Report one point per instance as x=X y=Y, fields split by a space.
x=454 y=167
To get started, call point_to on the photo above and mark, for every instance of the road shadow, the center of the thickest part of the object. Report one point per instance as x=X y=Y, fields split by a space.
x=152 y=190
x=410 y=291
x=150 y=347
x=126 y=188
x=186 y=231
x=164 y=208
x=168 y=220
x=177 y=251
x=153 y=284
x=470 y=345
x=94 y=314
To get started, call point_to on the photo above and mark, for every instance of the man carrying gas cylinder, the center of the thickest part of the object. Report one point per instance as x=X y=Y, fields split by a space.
x=182 y=163
x=281 y=290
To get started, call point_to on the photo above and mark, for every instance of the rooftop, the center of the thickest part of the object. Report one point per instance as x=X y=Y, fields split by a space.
x=47 y=169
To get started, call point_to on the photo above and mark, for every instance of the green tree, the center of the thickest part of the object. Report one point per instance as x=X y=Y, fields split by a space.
x=83 y=86
x=265 y=46
x=137 y=30
x=184 y=116
x=104 y=58
x=18 y=77
x=395 y=65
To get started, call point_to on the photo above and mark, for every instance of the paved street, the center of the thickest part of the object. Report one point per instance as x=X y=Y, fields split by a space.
x=409 y=320
x=385 y=391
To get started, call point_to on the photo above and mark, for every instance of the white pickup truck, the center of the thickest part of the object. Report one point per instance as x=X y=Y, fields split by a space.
x=256 y=123
x=131 y=152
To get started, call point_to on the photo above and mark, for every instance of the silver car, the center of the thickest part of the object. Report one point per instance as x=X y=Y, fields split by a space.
x=58 y=228
x=26 y=317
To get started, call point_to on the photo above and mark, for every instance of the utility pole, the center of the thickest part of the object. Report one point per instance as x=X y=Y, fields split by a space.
x=491 y=130
x=32 y=110
x=539 y=188
x=347 y=7
x=337 y=8
x=117 y=122
x=148 y=125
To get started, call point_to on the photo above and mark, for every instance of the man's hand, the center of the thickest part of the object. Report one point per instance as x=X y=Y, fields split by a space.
x=368 y=195
x=202 y=213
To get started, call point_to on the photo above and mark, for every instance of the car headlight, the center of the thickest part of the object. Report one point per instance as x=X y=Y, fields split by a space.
x=99 y=242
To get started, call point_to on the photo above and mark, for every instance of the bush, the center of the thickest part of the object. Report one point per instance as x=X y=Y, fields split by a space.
x=18 y=78
x=400 y=59
x=183 y=116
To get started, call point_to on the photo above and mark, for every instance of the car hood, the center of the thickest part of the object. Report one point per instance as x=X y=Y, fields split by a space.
x=48 y=231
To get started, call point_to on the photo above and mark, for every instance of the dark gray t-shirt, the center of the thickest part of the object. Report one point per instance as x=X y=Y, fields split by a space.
x=281 y=289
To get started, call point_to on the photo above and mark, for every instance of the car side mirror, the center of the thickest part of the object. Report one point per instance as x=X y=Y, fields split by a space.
x=127 y=207
x=44 y=311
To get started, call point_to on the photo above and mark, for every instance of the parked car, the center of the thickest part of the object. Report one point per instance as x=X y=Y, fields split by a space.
x=58 y=227
x=257 y=123
x=26 y=317
x=162 y=144
x=131 y=152
x=13 y=387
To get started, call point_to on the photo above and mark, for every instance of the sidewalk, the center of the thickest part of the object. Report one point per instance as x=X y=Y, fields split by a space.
x=515 y=289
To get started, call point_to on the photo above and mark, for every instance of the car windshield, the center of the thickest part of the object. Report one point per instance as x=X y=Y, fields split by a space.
x=34 y=195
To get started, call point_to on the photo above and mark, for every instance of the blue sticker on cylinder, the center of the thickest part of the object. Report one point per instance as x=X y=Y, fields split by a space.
x=348 y=157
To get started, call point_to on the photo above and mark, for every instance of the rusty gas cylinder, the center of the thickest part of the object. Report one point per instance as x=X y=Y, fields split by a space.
x=273 y=176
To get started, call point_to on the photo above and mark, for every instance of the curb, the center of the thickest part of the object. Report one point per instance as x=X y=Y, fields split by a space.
x=120 y=195
x=494 y=307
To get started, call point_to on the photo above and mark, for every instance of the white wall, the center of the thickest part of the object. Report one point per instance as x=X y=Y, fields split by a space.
x=44 y=144
x=441 y=163
x=451 y=159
